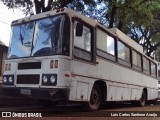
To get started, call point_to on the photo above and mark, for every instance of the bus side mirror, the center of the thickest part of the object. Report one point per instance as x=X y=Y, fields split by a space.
x=79 y=29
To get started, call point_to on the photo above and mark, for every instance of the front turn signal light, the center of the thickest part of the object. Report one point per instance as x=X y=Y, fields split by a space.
x=54 y=64
x=8 y=67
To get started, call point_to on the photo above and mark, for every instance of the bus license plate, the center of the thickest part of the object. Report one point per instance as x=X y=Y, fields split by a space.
x=25 y=92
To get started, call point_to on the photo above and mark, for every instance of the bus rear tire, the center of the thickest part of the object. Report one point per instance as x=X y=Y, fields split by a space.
x=142 y=101
x=95 y=100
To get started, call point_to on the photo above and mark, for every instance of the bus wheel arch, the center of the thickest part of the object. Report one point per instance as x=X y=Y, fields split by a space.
x=103 y=89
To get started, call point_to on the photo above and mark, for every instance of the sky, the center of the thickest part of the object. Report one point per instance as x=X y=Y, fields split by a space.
x=6 y=17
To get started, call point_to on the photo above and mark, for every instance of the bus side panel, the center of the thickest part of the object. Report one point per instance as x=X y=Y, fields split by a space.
x=82 y=91
x=121 y=78
x=126 y=77
x=152 y=94
x=83 y=69
x=136 y=93
x=117 y=93
x=83 y=78
x=80 y=88
x=73 y=92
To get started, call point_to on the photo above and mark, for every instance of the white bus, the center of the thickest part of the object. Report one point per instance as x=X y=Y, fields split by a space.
x=63 y=55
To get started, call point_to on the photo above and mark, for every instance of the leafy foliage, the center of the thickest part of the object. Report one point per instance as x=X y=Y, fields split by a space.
x=24 y=5
x=95 y=9
x=126 y=12
x=147 y=36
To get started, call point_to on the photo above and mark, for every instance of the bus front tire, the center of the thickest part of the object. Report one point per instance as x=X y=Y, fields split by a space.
x=95 y=100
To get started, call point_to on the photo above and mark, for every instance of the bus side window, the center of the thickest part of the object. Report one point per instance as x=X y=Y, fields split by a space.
x=105 y=42
x=153 y=69
x=105 y=45
x=82 y=41
x=136 y=60
x=146 y=68
x=123 y=54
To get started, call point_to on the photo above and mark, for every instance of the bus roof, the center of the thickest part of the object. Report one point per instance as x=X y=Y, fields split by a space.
x=67 y=11
x=113 y=31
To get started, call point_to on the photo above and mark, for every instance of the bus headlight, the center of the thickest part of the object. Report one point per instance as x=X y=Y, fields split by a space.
x=8 y=80
x=45 y=79
x=49 y=79
x=52 y=79
x=4 y=79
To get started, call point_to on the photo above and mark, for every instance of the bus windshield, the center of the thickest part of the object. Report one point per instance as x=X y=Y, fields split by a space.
x=49 y=36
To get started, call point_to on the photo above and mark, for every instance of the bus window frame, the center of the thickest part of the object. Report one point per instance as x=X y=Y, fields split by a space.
x=34 y=20
x=144 y=70
x=105 y=54
x=92 y=52
x=121 y=61
x=152 y=74
x=135 y=67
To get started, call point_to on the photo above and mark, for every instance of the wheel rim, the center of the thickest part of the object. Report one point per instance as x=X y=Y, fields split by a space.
x=95 y=99
x=143 y=99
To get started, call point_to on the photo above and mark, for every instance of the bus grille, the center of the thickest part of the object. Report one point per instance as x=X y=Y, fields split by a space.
x=28 y=79
x=29 y=65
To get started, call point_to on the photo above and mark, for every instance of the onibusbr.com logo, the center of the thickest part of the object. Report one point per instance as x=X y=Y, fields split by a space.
x=18 y=114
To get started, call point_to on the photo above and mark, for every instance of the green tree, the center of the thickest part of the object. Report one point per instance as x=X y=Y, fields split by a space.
x=27 y=5
x=148 y=36
x=118 y=12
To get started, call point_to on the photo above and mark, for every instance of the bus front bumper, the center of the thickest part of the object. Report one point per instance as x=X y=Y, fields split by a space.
x=38 y=93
